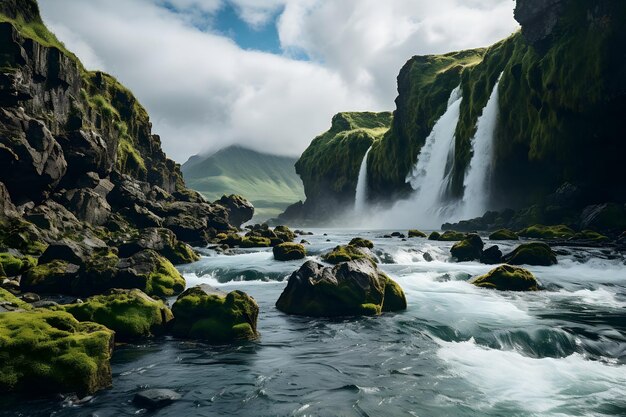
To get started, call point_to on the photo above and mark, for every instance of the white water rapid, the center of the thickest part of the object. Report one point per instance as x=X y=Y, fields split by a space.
x=477 y=183
x=360 y=197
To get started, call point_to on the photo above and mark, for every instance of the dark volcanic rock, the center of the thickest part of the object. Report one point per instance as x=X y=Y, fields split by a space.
x=468 y=249
x=154 y=399
x=538 y=18
x=491 y=256
x=239 y=209
x=507 y=278
x=348 y=289
x=162 y=241
x=535 y=253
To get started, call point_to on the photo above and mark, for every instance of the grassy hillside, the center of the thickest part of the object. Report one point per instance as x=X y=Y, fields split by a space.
x=268 y=181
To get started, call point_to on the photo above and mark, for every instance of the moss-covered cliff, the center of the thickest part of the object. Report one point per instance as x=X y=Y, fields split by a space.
x=330 y=165
x=561 y=104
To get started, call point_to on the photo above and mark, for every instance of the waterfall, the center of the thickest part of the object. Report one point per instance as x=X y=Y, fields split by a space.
x=477 y=183
x=360 y=197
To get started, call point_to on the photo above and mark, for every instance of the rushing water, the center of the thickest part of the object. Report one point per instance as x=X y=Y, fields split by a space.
x=457 y=351
x=360 y=195
x=478 y=179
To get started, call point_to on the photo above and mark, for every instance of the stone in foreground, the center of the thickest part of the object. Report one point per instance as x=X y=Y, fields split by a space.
x=507 y=278
x=153 y=399
x=355 y=288
x=468 y=249
x=48 y=352
x=289 y=251
x=207 y=314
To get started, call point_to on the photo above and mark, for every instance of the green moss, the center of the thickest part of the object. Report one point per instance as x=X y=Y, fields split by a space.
x=130 y=313
x=46 y=352
x=540 y=231
x=534 y=253
x=129 y=160
x=289 y=251
x=164 y=280
x=590 y=235
x=451 y=236
x=214 y=317
x=19 y=234
x=359 y=242
x=11 y=265
x=330 y=165
x=468 y=249
x=53 y=277
x=434 y=236
x=507 y=278
x=416 y=233
x=8 y=298
x=503 y=234
x=394 y=300
x=345 y=253
x=424 y=86
x=255 y=242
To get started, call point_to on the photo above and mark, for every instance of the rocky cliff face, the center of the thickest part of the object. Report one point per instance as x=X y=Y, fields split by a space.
x=77 y=155
x=562 y=94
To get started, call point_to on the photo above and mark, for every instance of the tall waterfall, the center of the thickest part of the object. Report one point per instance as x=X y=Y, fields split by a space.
x=477 y=183
x=360 y=197
x=427 y=177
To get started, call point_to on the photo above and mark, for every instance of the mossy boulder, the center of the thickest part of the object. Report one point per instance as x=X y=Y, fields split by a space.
x=289 y=251
x=468 y=249
x=24 y=236
x=255 y=242
x=534 y=253
x=161 y=240
x=540 y=231
x=207 y=314
x=359 y=242
x=451 y=236
x=434 y=236
x=151 y=273
x=48 y=352
x=503 y=234
x=52 y=277
x=345 y=253
x=130 y=313
x=284 y=233
x=11 y=265
x=416 y=233
x=355 y=288
x=491 y=256
x=591 y=236
x=507 y=278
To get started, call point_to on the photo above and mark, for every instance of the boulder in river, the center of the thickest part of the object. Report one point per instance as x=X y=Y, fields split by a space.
x=416 y=233
x=534 y=253
x=359 y=242
x=161 y=240
x=355 y=288
x=539 y=231
x=491 y=256
x=207 y=314
x=153 y=399
x=503 y=234
x=289 y=251
x=468 y=249
x=239 y=209
x=345 y=253
x=507 y=278
x=48 y=352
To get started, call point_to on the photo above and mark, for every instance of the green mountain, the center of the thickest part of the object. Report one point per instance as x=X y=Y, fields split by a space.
x=268 y=181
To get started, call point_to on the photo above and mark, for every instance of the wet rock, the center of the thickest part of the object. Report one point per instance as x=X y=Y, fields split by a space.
x=361 y=243
x=507 y=278
x=503 y=234
x=345 y=253
x=239 y=209
x=468 y=249
x=427 y=257
x=52 y=277
x=154 y=399
x=30 y=297
x=603 y=217
x=491 y=256
x=157 y=274
x=349 y=289
x=535 y=253
x=539 y=231
x=162 y=241
x=416 y=233
x=289 y=251
x=207 y=314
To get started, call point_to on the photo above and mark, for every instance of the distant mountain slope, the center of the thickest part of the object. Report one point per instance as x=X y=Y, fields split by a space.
x=269 y=181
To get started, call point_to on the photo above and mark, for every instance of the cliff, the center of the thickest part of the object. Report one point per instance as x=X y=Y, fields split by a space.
x=562 y=94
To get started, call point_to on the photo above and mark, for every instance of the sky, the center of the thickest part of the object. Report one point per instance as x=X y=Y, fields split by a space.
x=265 y=74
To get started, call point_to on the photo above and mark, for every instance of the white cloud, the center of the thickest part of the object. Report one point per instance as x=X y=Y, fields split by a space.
x=204 y=92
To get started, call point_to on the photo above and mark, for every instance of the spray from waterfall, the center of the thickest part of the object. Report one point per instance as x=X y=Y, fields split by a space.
x=477 y=183
x=360 y=197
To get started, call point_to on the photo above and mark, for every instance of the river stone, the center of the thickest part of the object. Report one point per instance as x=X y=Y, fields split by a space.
x=468 y=249
x=153 y=399
x=534 y=253
x=289 y=251
x=349 y=289
x=507 y=278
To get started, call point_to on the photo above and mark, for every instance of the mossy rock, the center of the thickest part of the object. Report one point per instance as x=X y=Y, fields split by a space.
x=355 y=288
x=284 y=233
x=164 y=280
x=163 y=241
x=21 y=235
x=416 y=233
x=206 y=314
x=130 y=313
x=534 y=253
x=49 y=352
x=345 y=253
x=289 y=251
x=11 y=265
x=503 y=234
x=434 y=236
x=359 y=242
x=590 y=235
x=53 y=277
x=451 y=236
x=469 y=249
x=540 y=231
x=255 y=242
x=230 y=239
x=9 y=302
x=507 y=278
